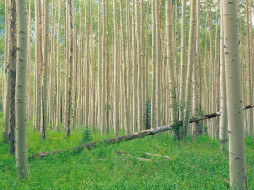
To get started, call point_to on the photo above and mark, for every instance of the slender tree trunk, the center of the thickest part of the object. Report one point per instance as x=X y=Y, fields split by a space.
x=38 y=65
x=45 y=68
x=223 y=125
x=237 y=159
x=58 y=99
x=153 y=105
x=7 y=102
x=12 y=65
x=116 y=78
x=191 y=52
x=20 y=101
x=183 y=59
x=70 y=63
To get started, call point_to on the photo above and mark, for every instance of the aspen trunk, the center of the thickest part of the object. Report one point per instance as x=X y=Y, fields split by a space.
x=116 y=79
x=70 y=63
x=223 y=125
x=12 y=65
x=45 y=68
x=7 y=102
x=183 y=59
x=237 y=159
x=20 y=101
x=58 y=99
x=191 y=52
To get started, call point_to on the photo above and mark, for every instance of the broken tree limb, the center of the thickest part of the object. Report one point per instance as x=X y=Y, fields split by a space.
x=128 y=137
x=132 y=136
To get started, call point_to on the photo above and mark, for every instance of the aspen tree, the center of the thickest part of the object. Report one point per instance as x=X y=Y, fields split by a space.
x=249 y=66
x=223 y=124
x=99 y=78
x=103 y=69
x=212 y=75
x=87 y=61
x=128 y=64
x=12 y=65
x=51 y=71
x=7 y=102
x=191 y=52
x=29 y=82
x=158 y=65
x=45 y=68
x=70 y=64
x=153 y=103
x=107 y=69
x=58 y=99
x=20 y=99
x=237 y=159
x=183 y=59
x=134 y=72
x=38 y=65
x=172 y=88
x=196 y=84
x=116 y=79
x=126 y=111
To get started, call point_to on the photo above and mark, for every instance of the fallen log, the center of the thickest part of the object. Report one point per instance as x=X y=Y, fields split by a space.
x=132 y=136
x=128 y=137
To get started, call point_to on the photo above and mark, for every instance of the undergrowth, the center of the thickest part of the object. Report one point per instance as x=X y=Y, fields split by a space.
x=192 y=165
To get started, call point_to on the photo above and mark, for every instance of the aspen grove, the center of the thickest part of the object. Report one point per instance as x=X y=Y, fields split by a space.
x=86 y=75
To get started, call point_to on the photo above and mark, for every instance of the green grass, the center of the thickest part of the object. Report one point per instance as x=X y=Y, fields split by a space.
x=198 y=165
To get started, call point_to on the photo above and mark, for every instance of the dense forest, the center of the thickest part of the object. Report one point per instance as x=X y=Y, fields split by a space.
x=81 y=78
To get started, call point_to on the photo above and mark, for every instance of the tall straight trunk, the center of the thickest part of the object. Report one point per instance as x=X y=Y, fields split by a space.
x=45 y=68
x=87 y=61
x=249 y=66
x=170 y=65
x=237 y=158
x=7 y=102
x=75 y=70
x=99 y=78
x=51 y=72
x=251 y=128
x=126 y=110
x=66 y=49
x=191 y=53
x=70 y=63
x=158 y=64
x=29 y=82
x=116 y=77
x=107 y=70
x=223 y=125
x=103 y=69
x=128 y=63
x=153 y=102
x=183 y=59
x=12 y=65
x=58 y=99
x=20 y=101
x=196 y=74
x=38 y=65
x=134 y=72
x=212 y=66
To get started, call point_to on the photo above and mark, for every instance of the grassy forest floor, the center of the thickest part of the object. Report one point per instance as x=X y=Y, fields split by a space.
x=192 y=165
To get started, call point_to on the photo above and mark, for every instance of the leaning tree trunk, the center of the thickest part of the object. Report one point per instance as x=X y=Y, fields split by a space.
x=20 y=101
x=237 y=159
